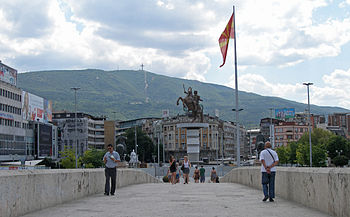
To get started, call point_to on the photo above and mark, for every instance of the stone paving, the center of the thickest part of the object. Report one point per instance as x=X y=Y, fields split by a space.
x=208 y=199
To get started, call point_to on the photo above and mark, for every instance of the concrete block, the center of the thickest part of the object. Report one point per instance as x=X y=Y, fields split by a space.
x=25 y=191
x=324 y=189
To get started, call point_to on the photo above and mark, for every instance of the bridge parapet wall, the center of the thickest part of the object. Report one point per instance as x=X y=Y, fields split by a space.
x=24 y=191
x=324 y=189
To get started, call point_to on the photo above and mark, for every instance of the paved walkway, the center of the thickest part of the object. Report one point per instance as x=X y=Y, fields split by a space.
x=179 y=200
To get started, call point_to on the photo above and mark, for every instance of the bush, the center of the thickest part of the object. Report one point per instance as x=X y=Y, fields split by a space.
x=340 y=160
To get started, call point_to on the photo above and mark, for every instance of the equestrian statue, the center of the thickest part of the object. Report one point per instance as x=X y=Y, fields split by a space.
x=191 y=104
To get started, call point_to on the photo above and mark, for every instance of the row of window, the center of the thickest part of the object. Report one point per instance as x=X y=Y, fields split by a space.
x=177 y=145
x=10 y=123
x=10 y=95
x=12 y=147
x=290 y=130
x=288 y=137
x=10 y=109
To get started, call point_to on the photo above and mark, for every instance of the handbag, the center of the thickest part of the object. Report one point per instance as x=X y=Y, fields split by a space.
x=182 y=167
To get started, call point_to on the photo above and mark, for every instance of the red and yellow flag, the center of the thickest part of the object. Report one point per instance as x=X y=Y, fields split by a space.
x=225 y=37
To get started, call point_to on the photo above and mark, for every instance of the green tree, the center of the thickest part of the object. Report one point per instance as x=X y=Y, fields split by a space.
x=320 y=139
x=338 y=145
x=68 y=158
x=145 y=146
x=93 y=158
x=340 y=160
x=282 y=154
x=292 y=152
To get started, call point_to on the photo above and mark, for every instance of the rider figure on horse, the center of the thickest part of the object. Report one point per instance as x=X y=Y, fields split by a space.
x=189 y=93
x=196 y=99
x=191 y=103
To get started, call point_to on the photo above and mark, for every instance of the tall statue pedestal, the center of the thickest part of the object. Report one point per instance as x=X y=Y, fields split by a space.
x=193 y=139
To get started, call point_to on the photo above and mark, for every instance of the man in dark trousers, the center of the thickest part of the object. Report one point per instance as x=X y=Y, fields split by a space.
x=110 y=159
x=269 y=159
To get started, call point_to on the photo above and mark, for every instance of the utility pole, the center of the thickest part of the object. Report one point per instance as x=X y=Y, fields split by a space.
x=158 y=146
x=238 y=137
x=136 y=143
x=163 y=146
x=217 y=150
x=308 y=102
x=272 y=136
x=76 y=133
x=38 y=138
x=222 y=146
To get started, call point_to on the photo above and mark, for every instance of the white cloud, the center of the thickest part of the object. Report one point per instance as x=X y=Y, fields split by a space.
x=176 y=38
x=283 y=33
x=334 y=93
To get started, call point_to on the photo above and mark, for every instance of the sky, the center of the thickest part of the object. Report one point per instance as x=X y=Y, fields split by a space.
x=280 y=43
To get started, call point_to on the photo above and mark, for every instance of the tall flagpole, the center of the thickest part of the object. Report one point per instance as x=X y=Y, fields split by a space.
x=238 y=157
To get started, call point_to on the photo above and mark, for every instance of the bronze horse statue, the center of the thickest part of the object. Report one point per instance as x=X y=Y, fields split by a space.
x=191 y=104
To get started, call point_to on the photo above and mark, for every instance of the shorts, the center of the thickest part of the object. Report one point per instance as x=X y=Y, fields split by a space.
x=202 y=178
x=186 y=170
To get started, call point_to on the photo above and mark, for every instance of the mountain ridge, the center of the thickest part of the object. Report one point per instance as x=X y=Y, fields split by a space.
x=123 y=92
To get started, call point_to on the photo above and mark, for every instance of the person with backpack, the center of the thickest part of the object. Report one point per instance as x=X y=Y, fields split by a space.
x=269 y=159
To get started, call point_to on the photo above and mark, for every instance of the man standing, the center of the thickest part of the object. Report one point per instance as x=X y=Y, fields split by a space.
x=269 y=159
x=110 y=159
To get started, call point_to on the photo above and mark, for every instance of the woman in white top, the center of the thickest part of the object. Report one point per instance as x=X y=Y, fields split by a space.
x=186 y=171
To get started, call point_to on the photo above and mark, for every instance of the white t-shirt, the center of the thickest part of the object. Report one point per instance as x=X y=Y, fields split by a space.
x=266 y=156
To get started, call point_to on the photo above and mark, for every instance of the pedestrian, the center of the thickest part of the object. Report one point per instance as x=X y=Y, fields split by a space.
x=186 y=165
x=269 y=159
x=172 y=163
x=202 y=174
x=110 y=159
x=213 y=175
x=196 y=175
x=178 y=173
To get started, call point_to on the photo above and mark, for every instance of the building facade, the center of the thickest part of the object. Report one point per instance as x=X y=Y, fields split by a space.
x=340 y=122
x=216 y=138
x=12 y=128
x=287 y=132
x=25 y=131
x=90 y=131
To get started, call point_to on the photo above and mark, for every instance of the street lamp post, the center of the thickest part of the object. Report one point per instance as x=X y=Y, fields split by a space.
x=238 y=142
x=272 y=136
x=308 y=102
x=136 y=143
x=158 y=147
x=76 y=133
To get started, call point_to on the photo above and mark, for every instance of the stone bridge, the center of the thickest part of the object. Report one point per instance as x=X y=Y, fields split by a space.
x=75 y=193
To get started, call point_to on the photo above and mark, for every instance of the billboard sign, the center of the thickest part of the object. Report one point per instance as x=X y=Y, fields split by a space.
x=165 y=113
x=36 y=108
x=6 y=116
x=7 y=74
x=285 y=113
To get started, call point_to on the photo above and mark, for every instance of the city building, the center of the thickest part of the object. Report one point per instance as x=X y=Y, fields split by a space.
x=286 y=132
x=251 y=137
x=12 y=129
x=145 y=123
x=90 y=131
x=215 y=138
x=267 y=126
x=25 y=129
x=340 y=122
